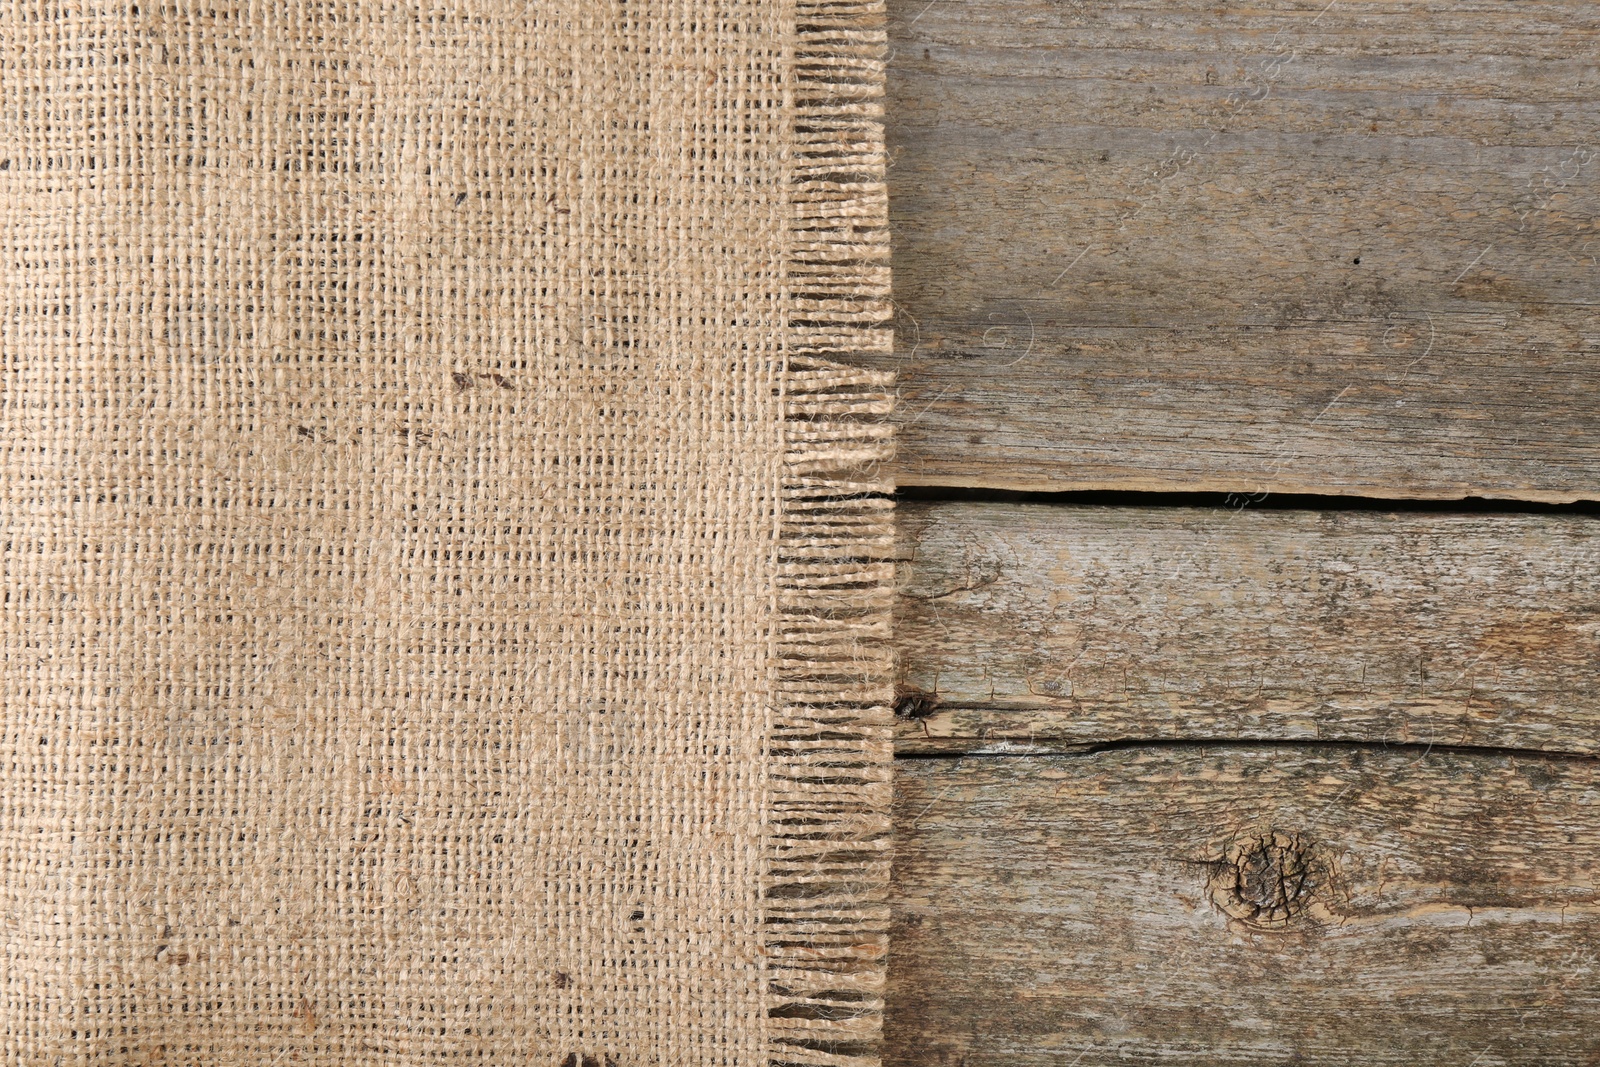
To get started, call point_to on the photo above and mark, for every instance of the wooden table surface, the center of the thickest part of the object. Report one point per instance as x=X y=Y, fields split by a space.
x=1248 y=625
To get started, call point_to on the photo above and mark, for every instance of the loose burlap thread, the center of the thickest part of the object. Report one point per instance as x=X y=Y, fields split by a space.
x=445 y=559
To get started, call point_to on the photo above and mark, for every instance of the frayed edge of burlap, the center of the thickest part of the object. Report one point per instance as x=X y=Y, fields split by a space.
x=828 y=843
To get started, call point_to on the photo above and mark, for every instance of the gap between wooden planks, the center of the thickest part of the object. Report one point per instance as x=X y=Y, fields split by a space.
x=1426 y=890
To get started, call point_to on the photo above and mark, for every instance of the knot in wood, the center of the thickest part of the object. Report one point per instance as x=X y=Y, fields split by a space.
x=1266 y=880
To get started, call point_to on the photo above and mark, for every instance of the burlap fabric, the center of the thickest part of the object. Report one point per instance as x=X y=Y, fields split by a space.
x=444 y=590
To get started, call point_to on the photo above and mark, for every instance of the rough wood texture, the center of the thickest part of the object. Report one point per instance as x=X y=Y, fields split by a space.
x=1239 y=905
x=1091 y=624
x=1344 y=248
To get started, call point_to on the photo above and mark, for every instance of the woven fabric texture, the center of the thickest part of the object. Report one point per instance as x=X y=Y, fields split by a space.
x=444 y=566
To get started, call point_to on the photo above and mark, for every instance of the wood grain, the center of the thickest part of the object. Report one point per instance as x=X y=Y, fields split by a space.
x=1039 y=623
x=1344 y=248
x=1246 y=905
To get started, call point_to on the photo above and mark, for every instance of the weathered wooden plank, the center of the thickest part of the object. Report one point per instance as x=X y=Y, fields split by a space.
x=1238 y=905
x=1344 y=248
x=1037 y=622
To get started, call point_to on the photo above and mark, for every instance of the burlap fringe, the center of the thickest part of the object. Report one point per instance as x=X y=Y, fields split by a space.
x=828 y=841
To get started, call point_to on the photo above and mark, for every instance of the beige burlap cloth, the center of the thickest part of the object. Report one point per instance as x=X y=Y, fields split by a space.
x=444 y=577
